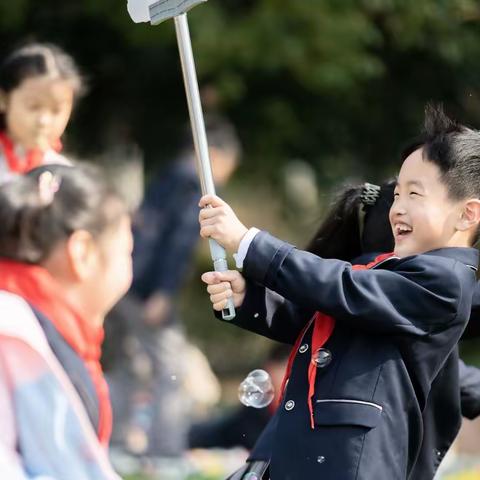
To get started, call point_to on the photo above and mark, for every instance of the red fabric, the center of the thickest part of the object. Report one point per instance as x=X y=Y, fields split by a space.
x=323 y=326
x=39 y=288
x=32 y=159
x=322 y=330
x=291 y=357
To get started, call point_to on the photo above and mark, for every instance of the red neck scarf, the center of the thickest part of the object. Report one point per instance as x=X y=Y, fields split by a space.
x=39 y=288
x=33 y=158
x=323 y=326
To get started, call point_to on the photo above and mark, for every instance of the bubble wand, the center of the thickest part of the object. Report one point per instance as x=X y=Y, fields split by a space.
x=155 y=12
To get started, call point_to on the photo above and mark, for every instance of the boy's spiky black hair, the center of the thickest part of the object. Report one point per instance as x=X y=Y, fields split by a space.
x=455 y=149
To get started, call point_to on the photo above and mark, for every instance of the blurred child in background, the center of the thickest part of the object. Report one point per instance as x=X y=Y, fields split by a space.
x=39 y=84
x=65 y=259
x=153 y=361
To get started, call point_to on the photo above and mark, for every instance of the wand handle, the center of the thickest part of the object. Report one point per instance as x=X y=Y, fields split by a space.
x=218 y=254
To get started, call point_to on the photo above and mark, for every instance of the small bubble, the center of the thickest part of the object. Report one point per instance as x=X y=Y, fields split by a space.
x=174 y=378
x=256 y=390
x=320 y=459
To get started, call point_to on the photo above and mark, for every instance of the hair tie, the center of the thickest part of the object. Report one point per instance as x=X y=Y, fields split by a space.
x=370 y=194
x=48 y=186
x=368 y=198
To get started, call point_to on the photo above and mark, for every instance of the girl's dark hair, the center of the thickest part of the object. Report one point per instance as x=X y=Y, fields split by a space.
x=339 y=234
x=38 y=59
x=377 y=234
x=345 y=235
x=31 y=228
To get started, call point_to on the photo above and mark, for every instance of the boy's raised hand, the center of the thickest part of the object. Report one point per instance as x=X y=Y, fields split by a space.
x=219 y=222
x=224 y=285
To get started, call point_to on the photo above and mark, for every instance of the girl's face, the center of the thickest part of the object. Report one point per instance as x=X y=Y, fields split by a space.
x=38 y=110
x=112 y=275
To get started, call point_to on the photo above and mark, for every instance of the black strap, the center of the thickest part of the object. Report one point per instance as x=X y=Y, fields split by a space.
x=73 y=366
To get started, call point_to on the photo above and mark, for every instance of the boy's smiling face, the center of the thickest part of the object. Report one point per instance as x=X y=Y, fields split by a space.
x=423 y=216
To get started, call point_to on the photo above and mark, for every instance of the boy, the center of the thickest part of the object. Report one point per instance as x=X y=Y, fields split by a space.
x=357 y=404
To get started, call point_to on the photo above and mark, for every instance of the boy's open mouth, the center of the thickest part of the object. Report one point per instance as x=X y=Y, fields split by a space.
x=402 y=230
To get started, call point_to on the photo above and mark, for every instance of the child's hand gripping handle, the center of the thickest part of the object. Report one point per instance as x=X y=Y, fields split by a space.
x=219 y=257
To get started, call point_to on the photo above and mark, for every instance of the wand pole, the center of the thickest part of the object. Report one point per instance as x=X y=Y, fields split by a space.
x=204 y=168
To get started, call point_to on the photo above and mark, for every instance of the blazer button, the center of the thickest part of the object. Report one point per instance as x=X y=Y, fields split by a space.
x=303 y=348
x=322 y=357
x=290 y=405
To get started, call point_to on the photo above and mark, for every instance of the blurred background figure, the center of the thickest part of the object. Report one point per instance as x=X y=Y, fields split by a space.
x=65 y=258
x=39 y=84
x=157 y=376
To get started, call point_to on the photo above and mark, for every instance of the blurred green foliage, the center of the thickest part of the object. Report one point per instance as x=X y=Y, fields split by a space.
x=322 y=80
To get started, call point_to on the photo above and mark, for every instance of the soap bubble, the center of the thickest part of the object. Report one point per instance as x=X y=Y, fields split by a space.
x=256 y=390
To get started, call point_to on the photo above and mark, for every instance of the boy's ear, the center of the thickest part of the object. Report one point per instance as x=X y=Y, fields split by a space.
x=470 y=215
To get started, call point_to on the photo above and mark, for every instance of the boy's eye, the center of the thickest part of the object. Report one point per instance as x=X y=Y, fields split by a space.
x=414 y=193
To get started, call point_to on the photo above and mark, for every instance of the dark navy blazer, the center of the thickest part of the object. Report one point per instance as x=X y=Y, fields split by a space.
x=473 y=328
x=388 y=403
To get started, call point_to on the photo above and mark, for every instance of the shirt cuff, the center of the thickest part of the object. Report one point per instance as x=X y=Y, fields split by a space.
x=244 y=246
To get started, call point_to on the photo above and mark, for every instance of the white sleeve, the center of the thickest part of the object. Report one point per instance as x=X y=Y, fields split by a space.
x=244 y=246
